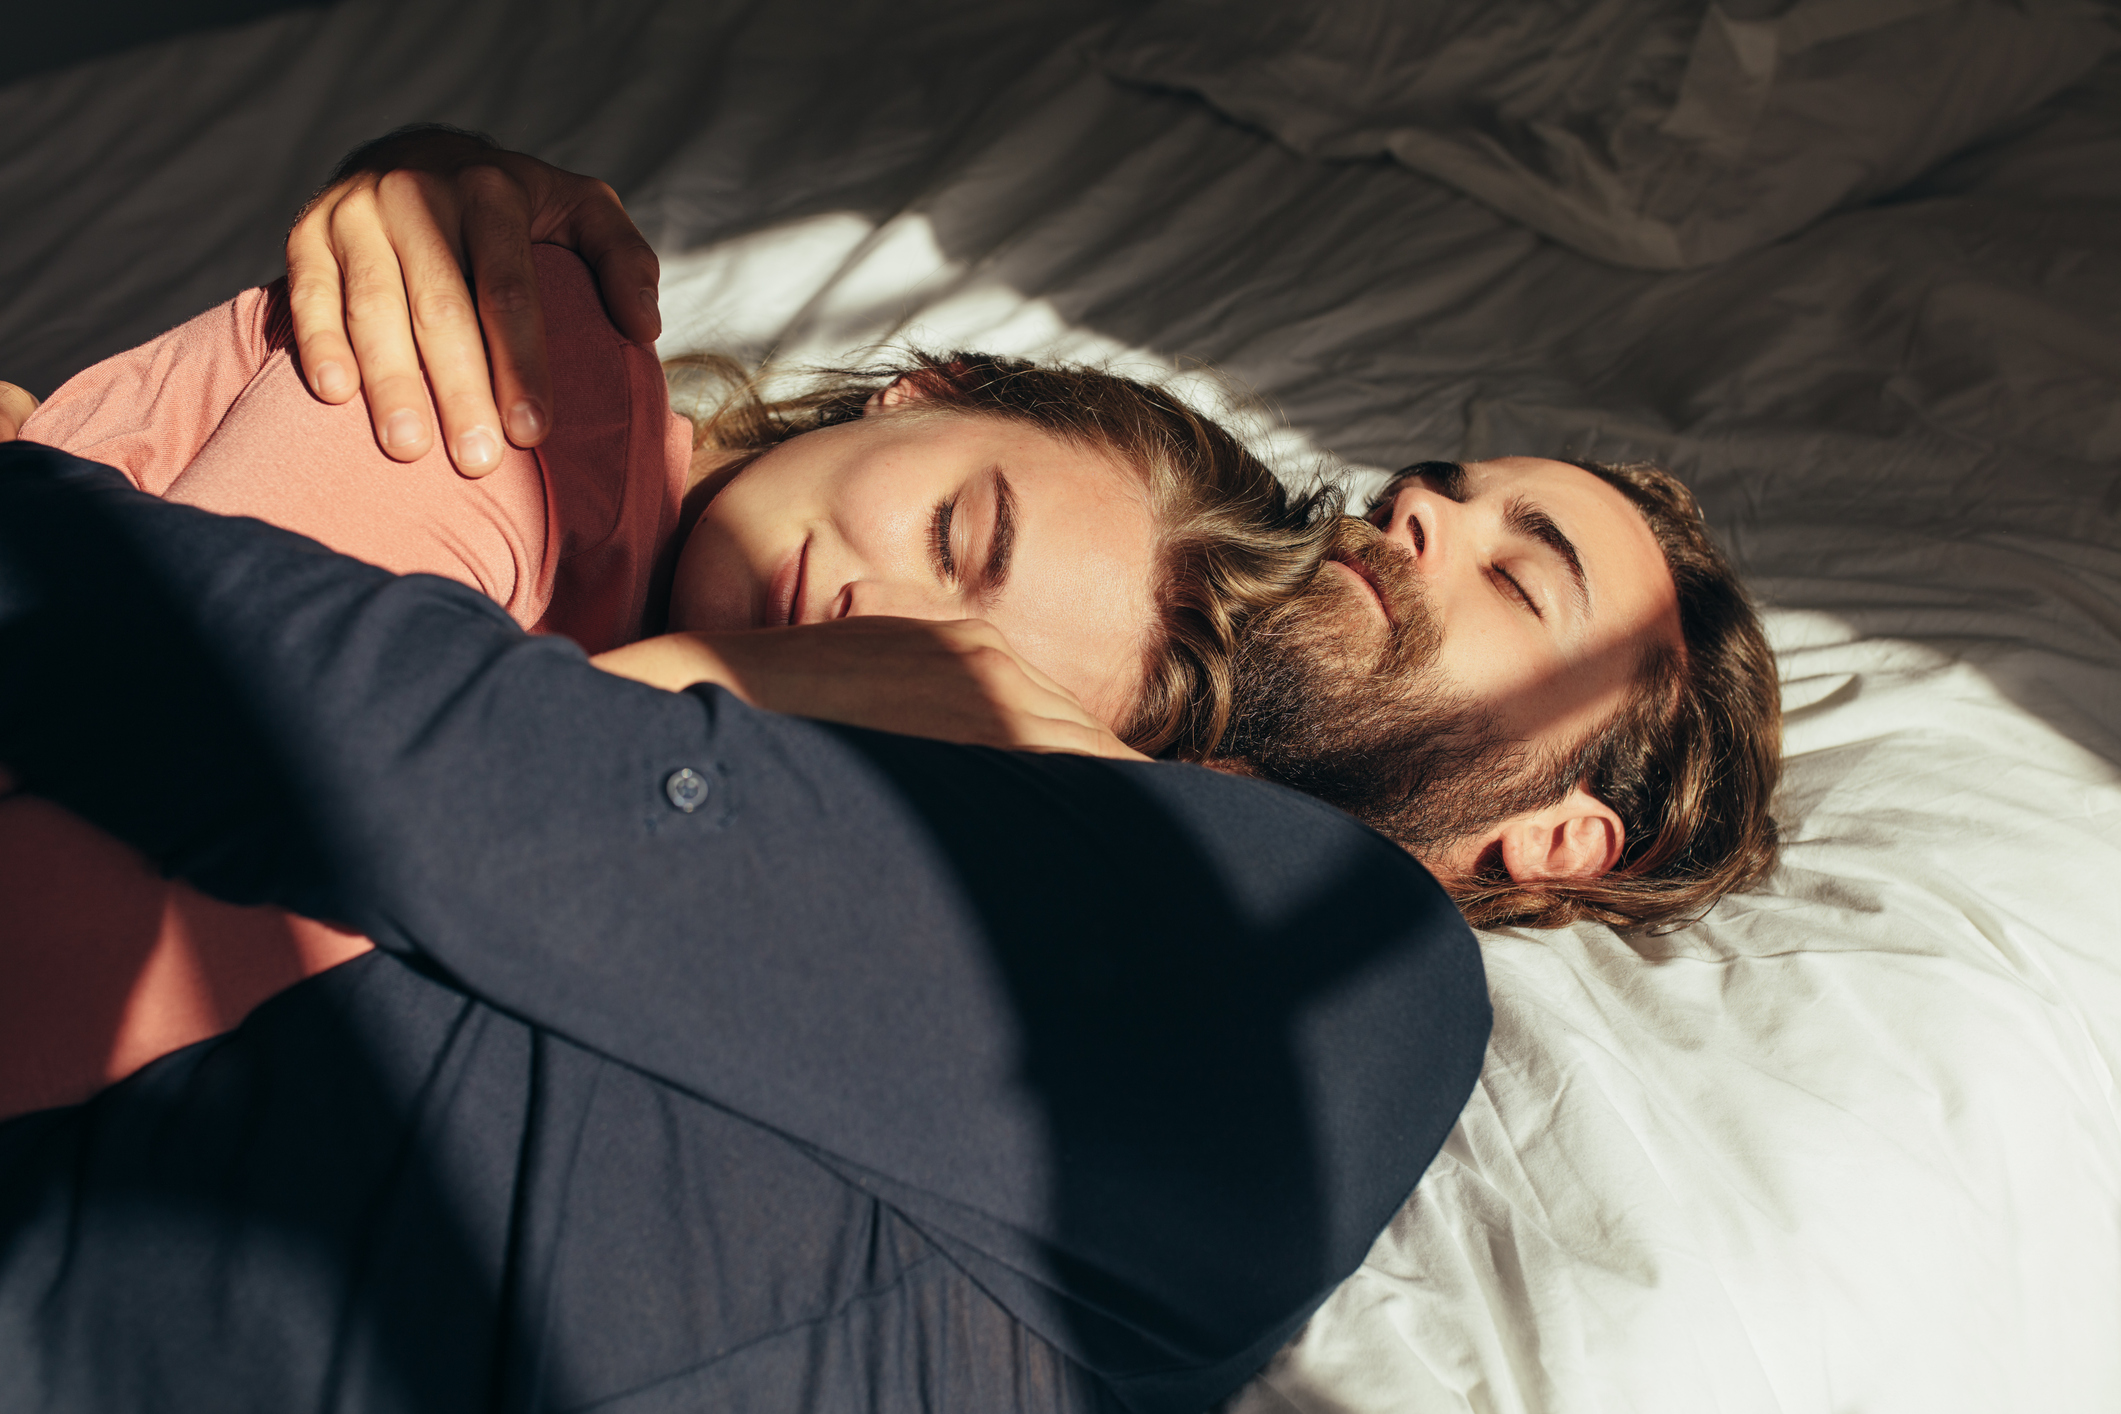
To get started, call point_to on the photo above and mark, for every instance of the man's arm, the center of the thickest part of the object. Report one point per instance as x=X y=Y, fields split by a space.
x=953 y=681
x=1153 y=1052
x=377 y=268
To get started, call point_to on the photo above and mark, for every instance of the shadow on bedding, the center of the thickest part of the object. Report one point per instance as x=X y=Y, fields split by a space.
x=46 y=37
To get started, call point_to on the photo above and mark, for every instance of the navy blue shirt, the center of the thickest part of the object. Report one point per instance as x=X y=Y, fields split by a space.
x=713 y=1057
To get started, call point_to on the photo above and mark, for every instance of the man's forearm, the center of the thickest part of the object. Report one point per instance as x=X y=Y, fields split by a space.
x=1203 y=1002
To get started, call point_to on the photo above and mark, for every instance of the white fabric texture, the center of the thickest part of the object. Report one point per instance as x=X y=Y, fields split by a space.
x=1652 y=133
x=1851 y=1143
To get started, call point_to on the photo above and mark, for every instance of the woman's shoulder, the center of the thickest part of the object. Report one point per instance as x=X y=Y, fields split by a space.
x=615 y=462
x=149 y=410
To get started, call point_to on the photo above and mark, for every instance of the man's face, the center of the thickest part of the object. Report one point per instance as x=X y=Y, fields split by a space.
x=1544 y=583
x=1480 y=621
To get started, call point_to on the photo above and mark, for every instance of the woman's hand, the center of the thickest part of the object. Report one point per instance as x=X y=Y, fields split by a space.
x=15 y=407
x=958 y=681
x=376 y=268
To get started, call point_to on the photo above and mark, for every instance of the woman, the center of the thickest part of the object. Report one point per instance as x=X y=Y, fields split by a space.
x=1112 y=540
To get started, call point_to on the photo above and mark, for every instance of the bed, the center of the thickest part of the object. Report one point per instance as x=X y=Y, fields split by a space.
x=1850 y=1143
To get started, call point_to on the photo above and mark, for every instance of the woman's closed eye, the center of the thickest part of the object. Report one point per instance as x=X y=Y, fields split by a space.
x=972 y=545
x=940 y=549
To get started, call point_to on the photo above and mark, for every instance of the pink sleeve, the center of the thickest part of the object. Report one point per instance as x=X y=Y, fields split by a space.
x=283 y=456
x=111 y=966
x=149 y=410
x=567 y=539
x=616 y=465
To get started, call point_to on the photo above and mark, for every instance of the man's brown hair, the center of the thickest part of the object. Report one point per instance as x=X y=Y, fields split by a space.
x=1689 y=763
x=1231 y=540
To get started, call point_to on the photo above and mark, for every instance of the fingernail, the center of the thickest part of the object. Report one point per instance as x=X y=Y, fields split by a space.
x=525 y=423
x=332 y=381
x=648 y=303
x=403 y=429
x=476 y=449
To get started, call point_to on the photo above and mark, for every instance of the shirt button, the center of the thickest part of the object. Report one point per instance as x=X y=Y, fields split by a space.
x=687 y=789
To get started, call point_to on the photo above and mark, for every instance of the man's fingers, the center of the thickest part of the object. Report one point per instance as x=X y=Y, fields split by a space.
x=1013 y=675
x=417 y=216
x=1027 y=732
x=628 y=272
x=1028 y=710
x=16 y=405
x=497 y=239
x=379 y=326
x=317 y=299
x=1081 y=741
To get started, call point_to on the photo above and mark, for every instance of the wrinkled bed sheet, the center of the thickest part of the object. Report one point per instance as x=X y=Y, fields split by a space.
x=1852 y=1142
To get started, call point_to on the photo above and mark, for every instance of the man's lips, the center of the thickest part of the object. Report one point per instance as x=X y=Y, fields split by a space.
x=1360 y=574
x=785 y=595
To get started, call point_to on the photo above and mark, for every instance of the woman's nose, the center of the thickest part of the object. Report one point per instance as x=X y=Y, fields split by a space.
x=868 y=598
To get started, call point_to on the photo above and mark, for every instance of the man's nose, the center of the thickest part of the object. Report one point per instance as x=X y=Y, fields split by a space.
x=1411 y=523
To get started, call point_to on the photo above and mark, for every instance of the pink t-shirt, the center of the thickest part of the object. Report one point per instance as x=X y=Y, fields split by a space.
x=108 y=965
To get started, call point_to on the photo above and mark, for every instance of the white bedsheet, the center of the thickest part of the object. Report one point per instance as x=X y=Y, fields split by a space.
x=1852 y=1143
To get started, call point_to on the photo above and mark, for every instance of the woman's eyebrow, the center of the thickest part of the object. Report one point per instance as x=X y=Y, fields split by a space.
x=1003 y=545
x=1521 y=517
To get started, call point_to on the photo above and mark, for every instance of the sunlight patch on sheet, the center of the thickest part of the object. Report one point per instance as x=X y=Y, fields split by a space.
x=837 y=288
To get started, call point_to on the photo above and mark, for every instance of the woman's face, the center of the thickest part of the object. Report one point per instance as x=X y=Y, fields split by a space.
x=931 y=515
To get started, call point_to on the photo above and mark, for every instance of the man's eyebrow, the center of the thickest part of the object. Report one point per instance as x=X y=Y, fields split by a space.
x=1521 y=517
x=1003 y=545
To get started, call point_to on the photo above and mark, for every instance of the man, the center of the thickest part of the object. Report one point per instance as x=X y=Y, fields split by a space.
x=1543 y=680
x=899 y=1074
x=711 y=1058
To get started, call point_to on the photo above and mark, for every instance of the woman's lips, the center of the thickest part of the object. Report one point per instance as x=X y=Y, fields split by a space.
x=785 y=595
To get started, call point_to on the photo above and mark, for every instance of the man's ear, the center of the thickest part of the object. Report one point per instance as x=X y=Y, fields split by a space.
x=1580 y=838
x=897 y=393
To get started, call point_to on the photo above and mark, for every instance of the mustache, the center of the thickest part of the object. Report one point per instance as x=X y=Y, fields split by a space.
x=1331 y=706
x=1413 y=635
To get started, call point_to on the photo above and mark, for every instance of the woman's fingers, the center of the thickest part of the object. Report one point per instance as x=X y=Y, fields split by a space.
x=16 y=405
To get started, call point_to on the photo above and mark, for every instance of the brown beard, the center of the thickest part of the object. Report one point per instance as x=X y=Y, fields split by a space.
x=1337 y=706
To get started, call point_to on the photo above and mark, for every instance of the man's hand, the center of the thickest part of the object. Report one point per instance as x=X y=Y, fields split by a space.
x=376 y=269
x=15 y=407
x=956 y=681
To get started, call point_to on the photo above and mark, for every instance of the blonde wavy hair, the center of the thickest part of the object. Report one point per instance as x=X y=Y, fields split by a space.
x=1232 y=541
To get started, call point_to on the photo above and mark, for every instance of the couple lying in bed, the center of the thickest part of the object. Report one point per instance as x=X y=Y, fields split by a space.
x=1535 y=676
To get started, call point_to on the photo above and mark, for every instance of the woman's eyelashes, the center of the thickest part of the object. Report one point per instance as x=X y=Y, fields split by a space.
x=939 y=547
x=971 y=541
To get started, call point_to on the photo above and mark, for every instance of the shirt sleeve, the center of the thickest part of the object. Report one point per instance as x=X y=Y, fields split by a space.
x=1154 y=1053
x=149 y=411
x=215 y=414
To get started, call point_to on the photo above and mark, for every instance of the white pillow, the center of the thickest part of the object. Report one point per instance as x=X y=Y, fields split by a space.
x=1656 y=133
